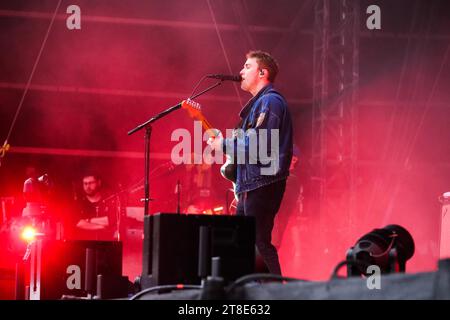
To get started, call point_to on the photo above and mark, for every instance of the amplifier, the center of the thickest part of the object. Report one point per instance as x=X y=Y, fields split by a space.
x=59 y=268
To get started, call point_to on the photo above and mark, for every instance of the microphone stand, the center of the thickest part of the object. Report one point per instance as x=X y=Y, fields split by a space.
x=148 y=132
x=145 y=280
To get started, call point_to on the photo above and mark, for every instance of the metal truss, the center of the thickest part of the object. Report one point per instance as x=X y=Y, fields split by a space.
x=335 y=92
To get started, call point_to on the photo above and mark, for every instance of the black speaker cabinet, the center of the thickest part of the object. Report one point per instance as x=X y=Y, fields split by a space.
x=58 y=268
x=174 y=240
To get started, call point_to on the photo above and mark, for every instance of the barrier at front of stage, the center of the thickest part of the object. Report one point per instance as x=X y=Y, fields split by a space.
x=398 y=286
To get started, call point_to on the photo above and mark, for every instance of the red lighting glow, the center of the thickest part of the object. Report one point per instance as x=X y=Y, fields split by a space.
x=29 y=234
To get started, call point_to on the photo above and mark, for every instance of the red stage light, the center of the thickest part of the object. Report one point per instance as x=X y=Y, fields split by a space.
x=28 y=234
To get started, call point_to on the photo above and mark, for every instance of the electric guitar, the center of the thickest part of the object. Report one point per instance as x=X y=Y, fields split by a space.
x=228 y=170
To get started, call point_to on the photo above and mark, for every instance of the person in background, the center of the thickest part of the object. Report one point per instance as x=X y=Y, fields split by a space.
x=93 y=218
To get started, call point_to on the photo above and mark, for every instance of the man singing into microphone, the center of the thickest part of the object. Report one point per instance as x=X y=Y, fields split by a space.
x=259 y=190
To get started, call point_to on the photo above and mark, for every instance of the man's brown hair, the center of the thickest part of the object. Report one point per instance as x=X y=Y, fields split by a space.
x=265 y=61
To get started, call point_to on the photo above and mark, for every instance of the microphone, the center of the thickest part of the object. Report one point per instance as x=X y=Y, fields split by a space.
x=225 y=77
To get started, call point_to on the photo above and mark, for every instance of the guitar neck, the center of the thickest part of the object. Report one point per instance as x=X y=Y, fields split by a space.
x=205 y=124
x=193 y=109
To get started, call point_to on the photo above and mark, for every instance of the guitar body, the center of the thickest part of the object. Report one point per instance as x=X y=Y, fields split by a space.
x=229 y=171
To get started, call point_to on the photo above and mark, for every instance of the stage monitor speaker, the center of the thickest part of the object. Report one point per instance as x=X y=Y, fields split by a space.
x=59 y=268
x=174 y=241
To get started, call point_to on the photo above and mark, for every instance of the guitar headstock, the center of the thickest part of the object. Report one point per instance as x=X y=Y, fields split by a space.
x=194 y=108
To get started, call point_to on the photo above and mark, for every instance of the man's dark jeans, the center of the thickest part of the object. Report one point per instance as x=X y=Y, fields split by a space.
x=263 y=204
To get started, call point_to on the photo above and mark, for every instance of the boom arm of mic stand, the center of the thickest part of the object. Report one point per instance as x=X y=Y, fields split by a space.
x=166 y=112
x=207 y=89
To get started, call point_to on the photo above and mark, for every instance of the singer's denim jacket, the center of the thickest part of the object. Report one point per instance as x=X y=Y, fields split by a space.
x=267 y=110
